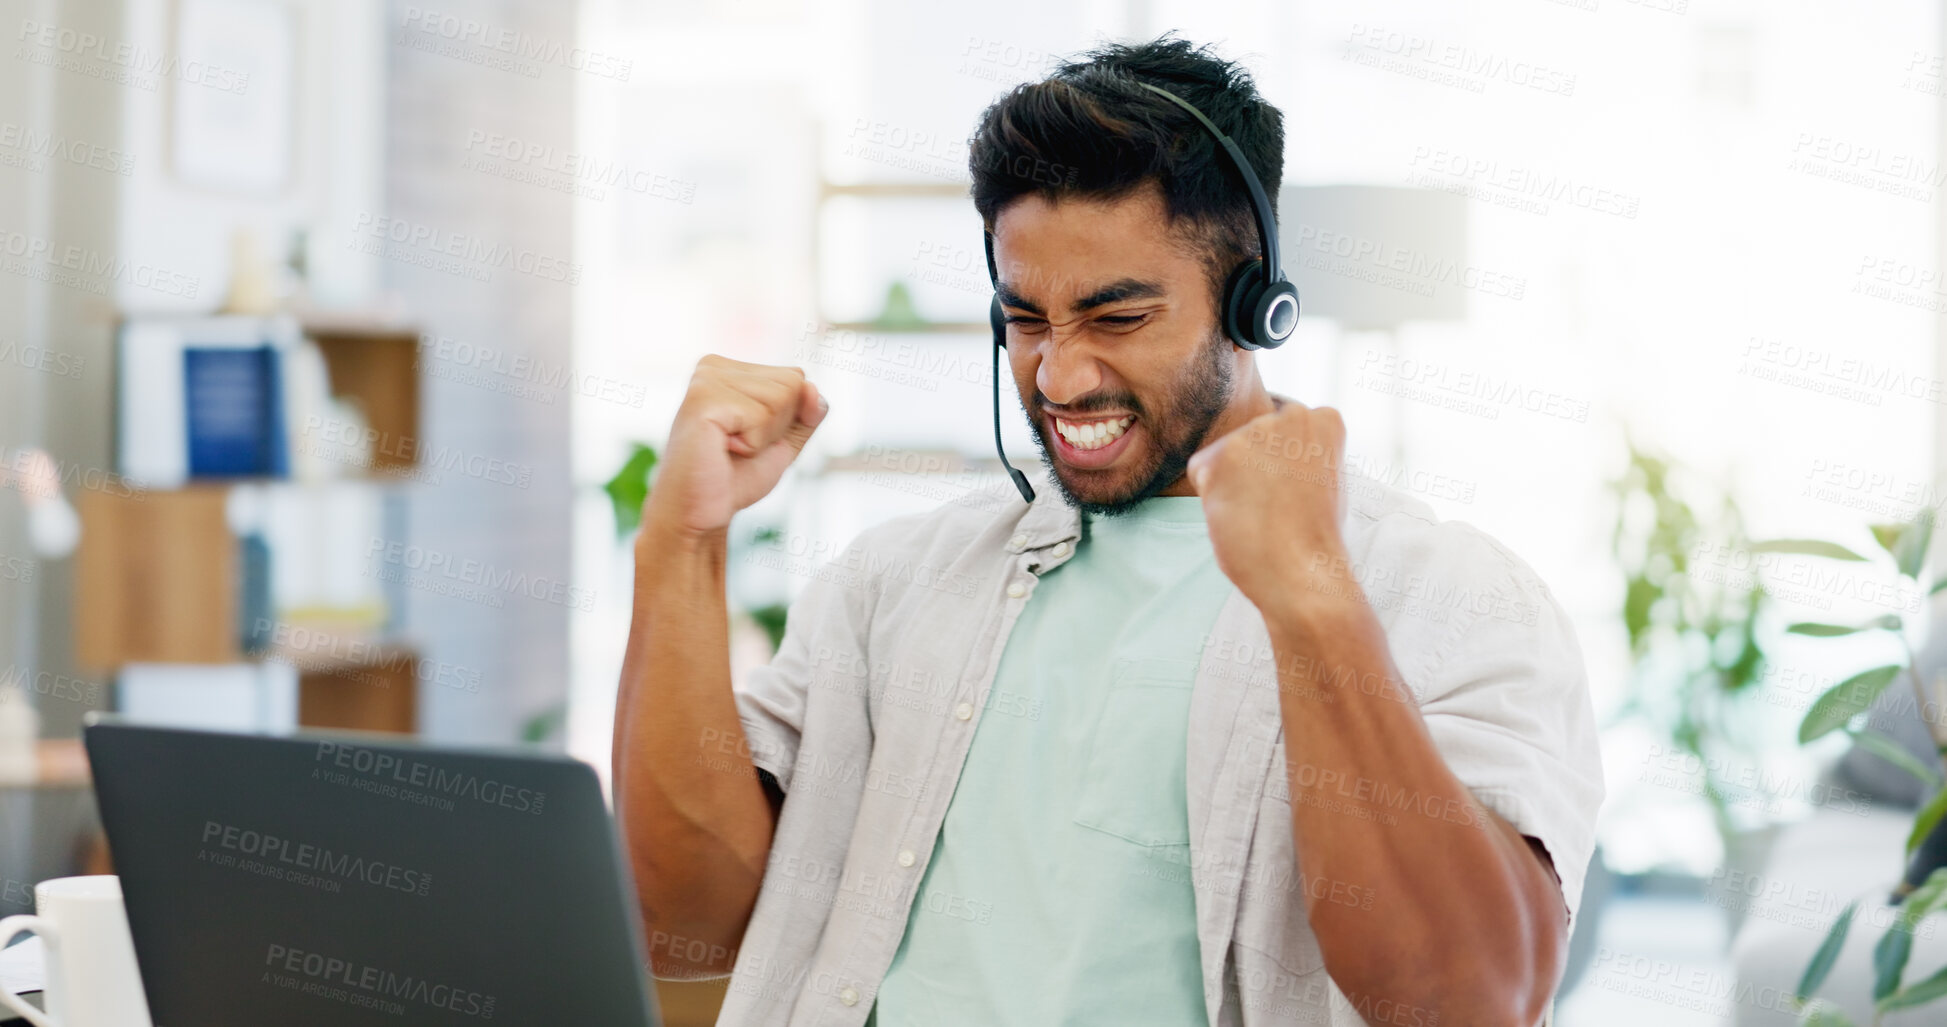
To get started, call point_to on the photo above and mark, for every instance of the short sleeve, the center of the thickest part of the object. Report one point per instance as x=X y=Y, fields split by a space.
x=823 y=627
x=1508 y=707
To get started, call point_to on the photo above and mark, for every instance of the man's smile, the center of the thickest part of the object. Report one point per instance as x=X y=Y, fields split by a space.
x=1091 y=442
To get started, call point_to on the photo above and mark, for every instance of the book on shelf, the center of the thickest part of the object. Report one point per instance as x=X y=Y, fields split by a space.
x=232 y=399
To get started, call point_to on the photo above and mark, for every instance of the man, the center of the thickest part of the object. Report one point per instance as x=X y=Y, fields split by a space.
x=1210 y=732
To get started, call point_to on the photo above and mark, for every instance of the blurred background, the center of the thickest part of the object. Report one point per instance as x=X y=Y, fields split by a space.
x=339 y=338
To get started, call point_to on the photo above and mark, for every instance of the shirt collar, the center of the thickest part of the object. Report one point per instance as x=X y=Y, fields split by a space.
x=1049 y=519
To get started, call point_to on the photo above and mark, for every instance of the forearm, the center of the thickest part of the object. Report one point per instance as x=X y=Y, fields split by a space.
x=695 y=818
x=1464 y=920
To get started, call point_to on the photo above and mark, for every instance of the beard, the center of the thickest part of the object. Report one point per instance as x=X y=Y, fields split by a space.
x=1173 y=430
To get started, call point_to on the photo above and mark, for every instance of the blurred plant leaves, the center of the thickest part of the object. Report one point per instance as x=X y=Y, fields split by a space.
x=1821 y=1013
x=1923 y=823
x=630 y=487
x=1828 y=952
x=1890 y=622
x=1889 y=959
x=1807 y=547
x=1919 y=994
x=542 y=726
x=1693 y=637
x=1907 y=542
x=1844 y=701
x=1895 y=753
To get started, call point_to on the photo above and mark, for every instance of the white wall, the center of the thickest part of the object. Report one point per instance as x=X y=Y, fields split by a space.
x=337 y=149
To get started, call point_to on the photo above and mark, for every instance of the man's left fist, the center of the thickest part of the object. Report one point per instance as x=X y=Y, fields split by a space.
x=1272 y=500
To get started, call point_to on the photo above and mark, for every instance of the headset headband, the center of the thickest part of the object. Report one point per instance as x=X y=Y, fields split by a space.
x=1267 y=233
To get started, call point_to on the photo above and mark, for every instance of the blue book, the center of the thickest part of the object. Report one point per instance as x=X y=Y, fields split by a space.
x=235 y=412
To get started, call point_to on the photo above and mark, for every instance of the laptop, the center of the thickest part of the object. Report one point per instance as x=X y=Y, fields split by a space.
x=348 y=878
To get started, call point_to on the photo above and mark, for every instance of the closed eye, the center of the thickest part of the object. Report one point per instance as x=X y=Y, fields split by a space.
x=1111 y=322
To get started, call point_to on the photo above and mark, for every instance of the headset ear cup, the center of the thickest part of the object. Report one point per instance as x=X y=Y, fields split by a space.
x=999 y=322
x=1241 y=291
x=1274 y=314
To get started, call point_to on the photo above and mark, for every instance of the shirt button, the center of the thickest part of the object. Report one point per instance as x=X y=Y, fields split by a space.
x=964 y=711
x=850 y=996
x=906 y=857
x=1016 y=590
x=1018 y=542
x=1061 y=550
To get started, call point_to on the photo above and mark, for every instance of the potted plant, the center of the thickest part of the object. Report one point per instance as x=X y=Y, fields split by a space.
x=1696 y=663
x=1922 y=890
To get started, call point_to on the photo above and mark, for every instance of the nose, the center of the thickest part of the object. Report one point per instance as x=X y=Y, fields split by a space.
x=1067 y=371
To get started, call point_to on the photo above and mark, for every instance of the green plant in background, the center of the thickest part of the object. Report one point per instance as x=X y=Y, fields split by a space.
x=1692 y=637
x=770 y=616
x=544 y=725
x=1923 y=891
x=627 y=491
x=630 y=487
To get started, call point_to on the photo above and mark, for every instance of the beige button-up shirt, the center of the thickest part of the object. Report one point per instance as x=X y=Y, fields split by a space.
x=888 y=660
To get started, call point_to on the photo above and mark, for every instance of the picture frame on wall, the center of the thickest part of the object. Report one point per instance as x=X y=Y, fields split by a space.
x=234 y=95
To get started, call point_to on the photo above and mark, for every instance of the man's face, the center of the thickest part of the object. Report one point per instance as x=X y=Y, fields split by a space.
x=1114 y=344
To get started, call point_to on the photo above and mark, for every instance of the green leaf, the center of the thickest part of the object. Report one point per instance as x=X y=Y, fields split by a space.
x=1924 y=822
x=1889 y=622
x=1889 y=959
x=1927 y=899
x=1828 y=953
x=1807 y=547
x=1821 y=1013
x=1919 y=994
x=542 y=726
x=1844 y=701
x=1824 y=1014
x=1895 y=753
x=1937 y=586
x=1911 y=553
x=1888 y=536
x=630 y=487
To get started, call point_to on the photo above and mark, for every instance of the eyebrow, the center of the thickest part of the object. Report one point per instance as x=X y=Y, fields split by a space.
x=1114 y=292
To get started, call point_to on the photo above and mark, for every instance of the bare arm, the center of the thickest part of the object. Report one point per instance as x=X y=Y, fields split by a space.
x=695 y=818
x=1468 y=920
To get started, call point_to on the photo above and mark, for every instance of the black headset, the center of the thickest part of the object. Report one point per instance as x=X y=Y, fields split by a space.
x=1259 y=308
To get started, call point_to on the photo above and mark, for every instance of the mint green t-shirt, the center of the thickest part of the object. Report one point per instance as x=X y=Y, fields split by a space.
x=1059 y=887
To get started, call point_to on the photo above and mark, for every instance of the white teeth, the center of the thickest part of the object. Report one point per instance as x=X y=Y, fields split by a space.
x=1093 y=435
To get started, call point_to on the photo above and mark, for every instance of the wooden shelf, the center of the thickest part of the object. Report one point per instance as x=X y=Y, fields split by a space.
x=376 y=366
x=155 y=579
x=381 y=696
x=62 y=763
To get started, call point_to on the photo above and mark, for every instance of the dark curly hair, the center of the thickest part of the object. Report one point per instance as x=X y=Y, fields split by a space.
x=1088 y=130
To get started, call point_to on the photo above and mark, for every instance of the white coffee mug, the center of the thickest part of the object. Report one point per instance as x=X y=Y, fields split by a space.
x=92 y=980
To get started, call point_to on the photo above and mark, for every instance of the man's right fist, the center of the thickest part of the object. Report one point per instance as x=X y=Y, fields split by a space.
x=739 y=427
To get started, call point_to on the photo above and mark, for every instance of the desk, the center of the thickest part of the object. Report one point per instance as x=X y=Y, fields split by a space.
x=49 y=827
x=51 y=830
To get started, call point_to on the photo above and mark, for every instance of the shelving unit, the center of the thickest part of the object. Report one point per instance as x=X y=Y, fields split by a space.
x=161 y=574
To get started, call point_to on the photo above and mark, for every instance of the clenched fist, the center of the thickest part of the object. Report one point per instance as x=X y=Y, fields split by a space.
x=739 y=427
x=1272 y=498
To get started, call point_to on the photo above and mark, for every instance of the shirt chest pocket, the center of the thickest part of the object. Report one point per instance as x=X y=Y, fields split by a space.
x=1132 y=782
